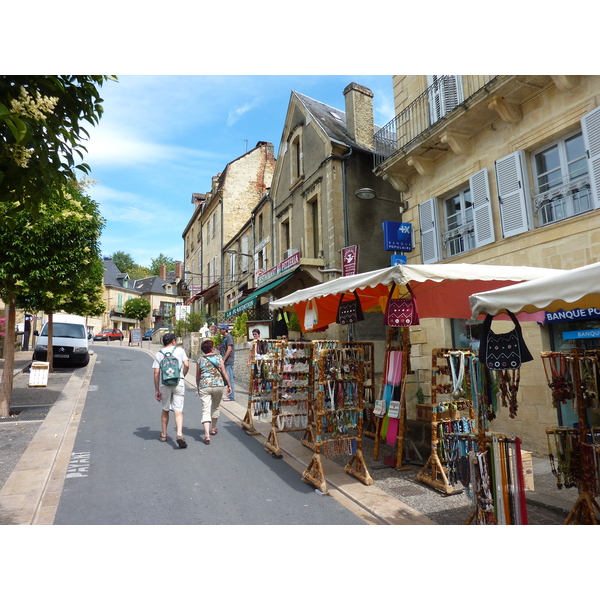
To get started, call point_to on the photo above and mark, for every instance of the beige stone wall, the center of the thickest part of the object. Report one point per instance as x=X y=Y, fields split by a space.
x=563 y=245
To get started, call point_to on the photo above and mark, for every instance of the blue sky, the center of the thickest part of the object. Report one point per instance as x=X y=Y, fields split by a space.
x=163 y=137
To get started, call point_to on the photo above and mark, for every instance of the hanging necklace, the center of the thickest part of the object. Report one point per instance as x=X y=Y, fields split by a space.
x=457 y=377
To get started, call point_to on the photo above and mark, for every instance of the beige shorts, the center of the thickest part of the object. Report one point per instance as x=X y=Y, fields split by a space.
x=172 y=396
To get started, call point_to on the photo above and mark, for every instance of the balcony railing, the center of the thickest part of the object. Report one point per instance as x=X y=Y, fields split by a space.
x=437 y=102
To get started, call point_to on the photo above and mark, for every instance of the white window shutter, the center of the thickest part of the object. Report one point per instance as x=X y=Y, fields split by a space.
x=245 y=249
x=590 y=125
x=445 y=94
x=482 y=208
x=430 y=231
x=511 y=194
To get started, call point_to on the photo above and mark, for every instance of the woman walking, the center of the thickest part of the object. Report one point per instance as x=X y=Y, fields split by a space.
x=211 y=381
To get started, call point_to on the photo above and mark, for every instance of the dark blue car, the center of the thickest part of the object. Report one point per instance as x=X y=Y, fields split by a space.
x=148 y=334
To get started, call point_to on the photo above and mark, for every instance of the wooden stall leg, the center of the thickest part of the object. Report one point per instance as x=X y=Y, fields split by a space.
x=583 y=512
x=315 y=475
x=272 y=444
x=437 y=471
x=357 y=467
x=247 y=423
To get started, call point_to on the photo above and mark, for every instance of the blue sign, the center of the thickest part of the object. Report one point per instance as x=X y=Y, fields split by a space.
x=577 y=314
x=398 y=259
x=397 y=236
x=580 y=335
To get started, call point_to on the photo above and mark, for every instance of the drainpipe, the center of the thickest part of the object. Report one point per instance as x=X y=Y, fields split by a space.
x=345 y=158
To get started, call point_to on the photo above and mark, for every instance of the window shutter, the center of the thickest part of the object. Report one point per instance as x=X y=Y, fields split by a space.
x=430 y=231
x=245 y=249
x=445 y=94
x=590 y=125
x=511 y=194
x=482 y=208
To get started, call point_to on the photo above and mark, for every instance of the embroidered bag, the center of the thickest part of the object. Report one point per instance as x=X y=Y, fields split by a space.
x=500 y=351
x=401 y=312
x=311 y=316
x=349 y=311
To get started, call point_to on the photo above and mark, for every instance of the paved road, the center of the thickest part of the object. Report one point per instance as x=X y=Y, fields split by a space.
x=122 y=474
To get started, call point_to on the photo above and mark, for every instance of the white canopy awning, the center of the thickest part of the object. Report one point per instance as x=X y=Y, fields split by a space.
x=441 y=290
x=576 y=288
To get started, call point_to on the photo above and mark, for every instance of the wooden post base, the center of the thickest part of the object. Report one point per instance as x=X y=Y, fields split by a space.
x=315 y=475
x=358 y=468
x=437 y=475
x=583 y=511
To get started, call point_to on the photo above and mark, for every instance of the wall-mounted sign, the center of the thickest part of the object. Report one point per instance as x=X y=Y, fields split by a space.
x=349 y=260
x=577 y=314
x=397 y=236
x=263 y=277
x=398 y=259
x=580 y=335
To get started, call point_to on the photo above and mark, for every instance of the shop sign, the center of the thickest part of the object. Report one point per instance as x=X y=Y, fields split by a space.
x=580 y=335
x=397 y=236
x=398 y=259
x=289 y=263
x=349 y=260
x=577 y=314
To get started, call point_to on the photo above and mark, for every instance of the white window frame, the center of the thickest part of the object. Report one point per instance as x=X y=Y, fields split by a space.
x=460 y=238
x=566 y=198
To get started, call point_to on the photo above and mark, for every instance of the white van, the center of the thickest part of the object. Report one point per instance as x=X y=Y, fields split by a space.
x=69 y=341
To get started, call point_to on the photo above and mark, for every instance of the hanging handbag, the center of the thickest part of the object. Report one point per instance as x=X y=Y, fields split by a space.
x=349 y=311
x=311 y=316
x=401 y=312
x=500 y=351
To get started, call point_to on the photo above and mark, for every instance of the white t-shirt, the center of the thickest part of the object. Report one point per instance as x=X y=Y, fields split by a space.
x=177 y=351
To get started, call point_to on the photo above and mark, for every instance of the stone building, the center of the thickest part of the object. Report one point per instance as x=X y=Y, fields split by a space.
x=312 y=212
x=504 y=170
x=218 y=216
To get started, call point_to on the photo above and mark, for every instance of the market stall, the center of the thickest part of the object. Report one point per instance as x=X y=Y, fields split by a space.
x=574 y=452
x=440 y=291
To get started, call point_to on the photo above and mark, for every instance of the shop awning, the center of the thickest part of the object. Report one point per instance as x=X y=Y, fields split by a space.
x=251 y=300
x=210 y=287
x=440 y=290
x=576 y=288
x=193 y=298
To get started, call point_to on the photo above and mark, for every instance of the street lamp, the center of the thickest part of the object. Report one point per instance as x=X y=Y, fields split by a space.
x=369 y=194
x=234 y=252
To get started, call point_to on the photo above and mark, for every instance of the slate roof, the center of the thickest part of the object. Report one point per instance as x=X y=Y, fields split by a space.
x=114 y=278
x=332 y=120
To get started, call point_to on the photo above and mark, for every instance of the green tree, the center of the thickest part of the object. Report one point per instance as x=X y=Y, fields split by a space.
x=160 y=260
x=136 y=308
x=41 y=133
x=51 y=263
x=125 y=263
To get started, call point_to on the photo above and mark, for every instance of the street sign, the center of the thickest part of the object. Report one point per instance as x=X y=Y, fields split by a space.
x=349 y=260
x=397 y=236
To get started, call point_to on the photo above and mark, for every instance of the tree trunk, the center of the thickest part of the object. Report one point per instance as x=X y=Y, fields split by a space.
x=6 y=386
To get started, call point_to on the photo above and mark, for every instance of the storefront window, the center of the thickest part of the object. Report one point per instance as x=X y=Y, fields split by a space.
x=466 y=333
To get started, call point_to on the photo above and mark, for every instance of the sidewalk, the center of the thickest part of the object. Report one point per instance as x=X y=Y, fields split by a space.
x=36 y=462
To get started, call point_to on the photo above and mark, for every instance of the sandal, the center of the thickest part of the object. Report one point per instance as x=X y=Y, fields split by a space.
x=206 y=441
x=162 y=438
x=181 y=441
x=214 y=431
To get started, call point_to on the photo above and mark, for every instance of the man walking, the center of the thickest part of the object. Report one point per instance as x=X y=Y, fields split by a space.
x=227 y=352
x=171 y=396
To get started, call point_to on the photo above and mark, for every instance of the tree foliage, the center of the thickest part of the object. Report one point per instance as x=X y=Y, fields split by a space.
x=42 y=135
x=160 y=260
x=136 y=308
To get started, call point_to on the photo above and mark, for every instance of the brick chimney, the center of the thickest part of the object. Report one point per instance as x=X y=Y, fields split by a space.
x=359 y=114
x=163 y=272
x=178 y=270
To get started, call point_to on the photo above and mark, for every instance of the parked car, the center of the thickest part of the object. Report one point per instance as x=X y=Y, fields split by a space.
x=108 y=334
x=148 y=334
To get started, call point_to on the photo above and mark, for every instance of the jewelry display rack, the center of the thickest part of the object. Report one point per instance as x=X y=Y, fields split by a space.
x=370 y=426
x=397 y=340
x=338 y=414
x=293 y=404
x=433 y=472
x=574 y=376
x=264 y=370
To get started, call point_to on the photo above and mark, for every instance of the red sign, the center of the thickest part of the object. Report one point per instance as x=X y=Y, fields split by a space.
x=349 y=260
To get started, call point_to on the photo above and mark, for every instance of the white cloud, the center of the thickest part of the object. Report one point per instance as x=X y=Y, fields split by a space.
x=236 y=113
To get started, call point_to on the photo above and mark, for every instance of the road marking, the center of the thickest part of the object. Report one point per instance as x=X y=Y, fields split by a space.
x=78 y=465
